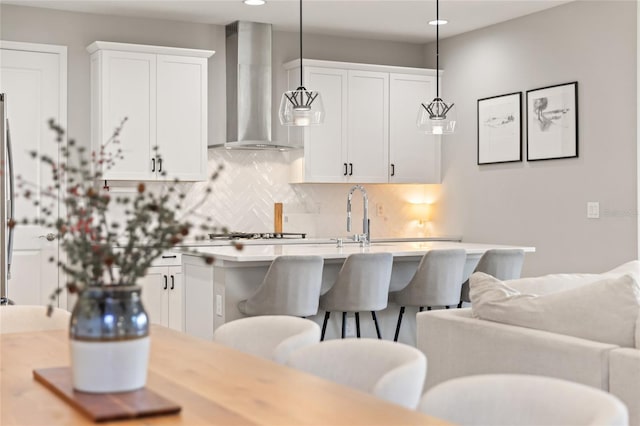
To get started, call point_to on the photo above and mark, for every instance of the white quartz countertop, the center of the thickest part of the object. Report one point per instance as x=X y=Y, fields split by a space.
x=311 y=240
x=259 y=253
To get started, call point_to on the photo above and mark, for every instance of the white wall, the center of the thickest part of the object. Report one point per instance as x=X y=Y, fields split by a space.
x=544 y=203
x=252 y=180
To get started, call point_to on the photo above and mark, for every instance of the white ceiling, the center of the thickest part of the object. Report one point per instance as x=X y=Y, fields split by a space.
x=399 y=20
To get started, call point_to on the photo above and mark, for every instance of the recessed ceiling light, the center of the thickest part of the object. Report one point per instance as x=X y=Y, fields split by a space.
x=438 y=22
x=254 y=2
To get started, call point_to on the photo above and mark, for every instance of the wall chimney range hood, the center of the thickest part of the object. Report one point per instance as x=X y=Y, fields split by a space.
x=249 y=94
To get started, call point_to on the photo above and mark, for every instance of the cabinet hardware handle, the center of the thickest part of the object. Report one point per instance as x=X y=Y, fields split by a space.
x=345 y=168
x=165 y=282
x=350 y=169
x=393 y=169
x=170 y=257
x=159 y=165
x=153 y=164
x=173 y=282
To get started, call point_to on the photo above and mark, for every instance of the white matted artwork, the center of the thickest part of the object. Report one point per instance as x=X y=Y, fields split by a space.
x=552 y=122
x=500 y=129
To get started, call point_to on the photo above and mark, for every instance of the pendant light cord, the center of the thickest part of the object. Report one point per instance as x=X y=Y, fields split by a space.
x=301 y=84
x=437 y=48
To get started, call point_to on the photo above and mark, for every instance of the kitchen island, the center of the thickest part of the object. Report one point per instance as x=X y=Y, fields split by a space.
x=213 y=291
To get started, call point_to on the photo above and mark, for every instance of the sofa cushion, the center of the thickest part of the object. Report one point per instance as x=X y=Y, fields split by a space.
x=557 y=282
x=604 y=311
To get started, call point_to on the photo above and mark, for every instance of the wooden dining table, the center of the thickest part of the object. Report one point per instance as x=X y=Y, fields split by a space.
x=214 y=385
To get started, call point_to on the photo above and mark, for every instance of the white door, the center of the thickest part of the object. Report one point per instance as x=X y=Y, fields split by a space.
x=155 y=295
x=182 y=117
x=34 y=79
x=176 y=298
x=414 y=157
x=325 y=145
x=368 y=126
x=128 y=86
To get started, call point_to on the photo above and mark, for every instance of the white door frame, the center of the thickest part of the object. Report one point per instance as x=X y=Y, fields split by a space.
x=62 y=120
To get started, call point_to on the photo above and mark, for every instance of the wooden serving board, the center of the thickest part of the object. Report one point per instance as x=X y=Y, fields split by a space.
x=107 y=406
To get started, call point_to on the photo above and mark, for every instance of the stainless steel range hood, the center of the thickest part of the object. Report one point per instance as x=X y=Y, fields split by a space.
x=248 y=63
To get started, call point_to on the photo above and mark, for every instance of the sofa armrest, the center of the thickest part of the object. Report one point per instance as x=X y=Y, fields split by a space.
x=624 y=380
x=456 y=345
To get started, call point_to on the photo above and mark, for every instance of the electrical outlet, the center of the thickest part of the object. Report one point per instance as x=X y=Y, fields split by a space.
x=379 y=209
x=350 y=327
x=218 y=305
x=593 y=210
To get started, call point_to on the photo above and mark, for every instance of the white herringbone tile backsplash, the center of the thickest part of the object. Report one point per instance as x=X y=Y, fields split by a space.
x=252 y=181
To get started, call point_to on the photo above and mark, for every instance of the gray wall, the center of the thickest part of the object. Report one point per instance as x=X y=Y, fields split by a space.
x=544 y=203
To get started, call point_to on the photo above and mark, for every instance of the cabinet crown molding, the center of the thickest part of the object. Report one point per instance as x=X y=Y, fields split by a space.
x=145 y=48
x=359 y=67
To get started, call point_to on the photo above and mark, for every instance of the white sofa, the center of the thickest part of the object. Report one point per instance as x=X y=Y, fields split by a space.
x=458 y=344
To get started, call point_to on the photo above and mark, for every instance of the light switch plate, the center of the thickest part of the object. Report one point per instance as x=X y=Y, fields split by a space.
x=593 y=210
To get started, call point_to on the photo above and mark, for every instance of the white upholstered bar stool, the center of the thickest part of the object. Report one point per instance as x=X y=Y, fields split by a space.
x=392 y=371
x=362 y=285
x=290 y=287
x=437 y=282
x=519 y=400
x=26 y=318
x=504 y=264
x=272 y=337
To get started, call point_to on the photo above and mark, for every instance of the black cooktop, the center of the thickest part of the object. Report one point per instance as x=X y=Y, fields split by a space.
x=257 y=235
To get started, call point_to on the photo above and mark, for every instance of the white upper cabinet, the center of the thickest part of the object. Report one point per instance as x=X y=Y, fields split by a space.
x=414 y=157
x=369 y=134
x=327 y=143
x=162 y=92
x=368 y=126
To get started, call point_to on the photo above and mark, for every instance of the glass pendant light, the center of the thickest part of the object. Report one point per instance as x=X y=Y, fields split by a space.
x=437 y=118
x=301 y=107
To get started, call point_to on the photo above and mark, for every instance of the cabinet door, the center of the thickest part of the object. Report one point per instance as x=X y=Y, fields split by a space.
x=128 y=88
x=176 y=298
x=325 y=145
x=198 y=298
x=368 y=147
x=414 y=156
x=182 y=117
x=155 y=295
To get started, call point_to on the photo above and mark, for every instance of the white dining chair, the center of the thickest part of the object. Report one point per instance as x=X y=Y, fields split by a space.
x=272 y=337
x=26 y=318
x=503 y=264
x=519 y=400
x=436 y=282
x=391 y=371
x=362 y=285
x=291 y=286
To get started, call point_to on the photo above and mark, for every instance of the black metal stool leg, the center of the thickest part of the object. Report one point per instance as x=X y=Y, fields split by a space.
x=447 y=307
x=395 y=339
x=421 y=308
x=344 y=323
x=358 y=324
x=428 y=308
x=375 y=321
x=460 y=305
x=324 y=325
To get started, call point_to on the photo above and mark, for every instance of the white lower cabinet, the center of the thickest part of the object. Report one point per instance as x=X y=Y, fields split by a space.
x=163 y=296
x=199 y=297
